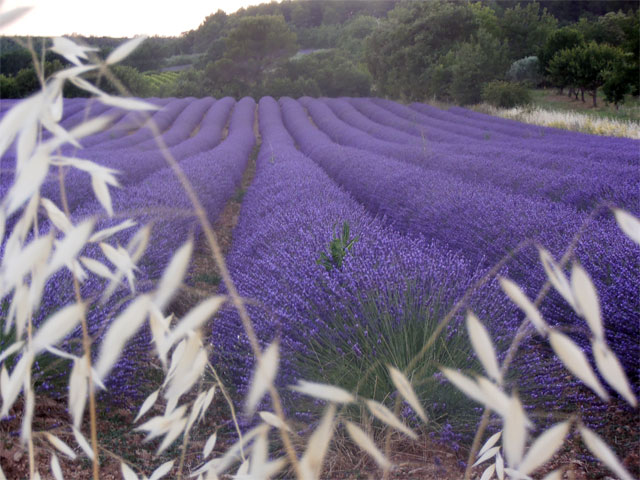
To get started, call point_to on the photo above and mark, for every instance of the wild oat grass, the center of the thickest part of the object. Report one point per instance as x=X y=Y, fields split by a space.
x=32 y=257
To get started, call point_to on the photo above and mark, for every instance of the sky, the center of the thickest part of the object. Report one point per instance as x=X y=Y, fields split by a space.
x=115 y=18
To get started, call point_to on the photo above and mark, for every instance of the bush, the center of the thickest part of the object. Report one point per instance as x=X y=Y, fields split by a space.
x=505 y=94
x=525 y=70
x=393 y=326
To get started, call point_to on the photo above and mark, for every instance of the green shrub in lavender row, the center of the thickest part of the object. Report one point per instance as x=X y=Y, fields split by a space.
x=338 y=248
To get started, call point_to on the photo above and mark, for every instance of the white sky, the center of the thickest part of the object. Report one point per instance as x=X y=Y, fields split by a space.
x=115 y=18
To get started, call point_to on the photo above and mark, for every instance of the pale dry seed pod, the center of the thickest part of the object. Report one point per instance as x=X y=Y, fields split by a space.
x=209 y=445
x=611 y=370
x=161 y=425
x=488 y=472
x=556 y=276
x=147 y=404
x=127 y=473
x=11 y=16
x=57 y=216
x=82 y=442
x=70 y=246
x=29 y=406
x=12 y=384
x=263 y=376
x=365 y=443
x=317 y=446
x=103 y=234
x=385 y=415
x=71 y=50
x=56 y=470
x=518 y=297
x=189 y=369
x=120 y=331
x=195 y=318
x=174 y=432
x=173 y=275
x=406 y=390
x=78 y=390
x=323 y=391
x=162 y=470
x=274 y=421
x=555 y=475
x=576 y=362
x=483 y=346
x=514 y=438
x=123 y=50
x=207 y=402
x=60 y=446
x=217 y=466
x=498 y=401
x=544 y=447
x=493 y=439
x=587 y=299
x=465 y=384
x=490 y=453
x=602 y=451
x=499 y=466
x=629 y=224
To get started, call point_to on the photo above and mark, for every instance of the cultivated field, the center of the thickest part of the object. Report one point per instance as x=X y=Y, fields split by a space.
x=366 y=221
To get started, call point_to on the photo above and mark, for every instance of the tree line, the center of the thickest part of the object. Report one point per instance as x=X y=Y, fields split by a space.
x=460 y=51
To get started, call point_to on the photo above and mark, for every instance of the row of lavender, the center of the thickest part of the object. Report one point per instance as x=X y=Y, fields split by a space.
x=289 y=216
x=479 y=219
x=194 y=132
x=503 y=163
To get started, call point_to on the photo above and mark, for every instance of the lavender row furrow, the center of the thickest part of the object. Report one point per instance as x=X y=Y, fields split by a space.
x=162 y=119
x=160 y=200
x=537 y=158
x=580 y=191
x=485 y=223
x=563 y=142
x=136 y=166
x=182 y=127
x=123 y=125
x=421 y=132
x=289 y=215
x=568 y=147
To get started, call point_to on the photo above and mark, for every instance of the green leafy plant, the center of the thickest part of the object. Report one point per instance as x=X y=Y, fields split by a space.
x=338 y=248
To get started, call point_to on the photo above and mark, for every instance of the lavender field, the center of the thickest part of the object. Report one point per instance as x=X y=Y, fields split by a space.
x=366 y=220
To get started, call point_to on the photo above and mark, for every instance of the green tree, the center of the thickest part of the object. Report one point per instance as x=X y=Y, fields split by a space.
x=475 y=63
x=9 y=87
x=594 y=61
x=616 y=84
x=333 y=73
x=526 y=28
x=561 y=39
x=255 y=46
x=563 y=69
x=403 y=50
x=587 y=67
x=353 y=34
